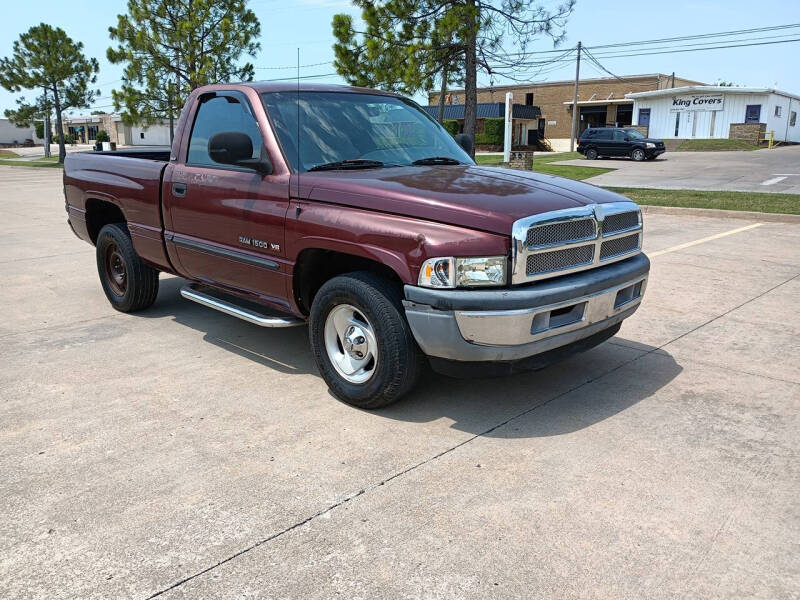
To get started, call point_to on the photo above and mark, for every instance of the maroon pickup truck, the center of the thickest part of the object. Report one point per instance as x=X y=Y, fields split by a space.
x=353 y=211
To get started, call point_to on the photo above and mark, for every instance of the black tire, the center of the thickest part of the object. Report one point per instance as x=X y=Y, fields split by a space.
x=591 y=154
x=638 y=154
x=399 y=360
x=129 y=284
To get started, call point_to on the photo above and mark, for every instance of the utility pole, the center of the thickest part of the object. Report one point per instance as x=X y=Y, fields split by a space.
x=46 y=126
x=673 y=79
x=574 y=131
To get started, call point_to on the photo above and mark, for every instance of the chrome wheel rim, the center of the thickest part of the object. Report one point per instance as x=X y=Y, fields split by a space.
x=350 y=343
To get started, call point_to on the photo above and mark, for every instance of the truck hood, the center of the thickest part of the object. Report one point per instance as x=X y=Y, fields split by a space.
x=484 y=198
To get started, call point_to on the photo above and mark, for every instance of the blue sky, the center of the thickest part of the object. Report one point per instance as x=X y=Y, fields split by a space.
x=306 y=24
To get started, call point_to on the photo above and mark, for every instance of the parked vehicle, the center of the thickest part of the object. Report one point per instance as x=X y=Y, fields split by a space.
x=353 y=211
x=618 y=141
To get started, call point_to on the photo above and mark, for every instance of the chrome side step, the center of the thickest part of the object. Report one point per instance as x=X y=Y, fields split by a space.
x=190 y=292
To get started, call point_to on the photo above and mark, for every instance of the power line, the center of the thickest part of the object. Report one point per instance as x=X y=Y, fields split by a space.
x=680 y=50
x=319 y=64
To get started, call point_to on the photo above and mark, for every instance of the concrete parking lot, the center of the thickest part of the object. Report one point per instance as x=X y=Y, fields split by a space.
x=776 y=170
x=180 y=453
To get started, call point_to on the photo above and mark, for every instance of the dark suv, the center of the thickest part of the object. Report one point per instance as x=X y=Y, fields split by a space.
x=618 y=141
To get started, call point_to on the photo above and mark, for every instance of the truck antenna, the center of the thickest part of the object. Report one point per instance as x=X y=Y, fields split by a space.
x=299 y=167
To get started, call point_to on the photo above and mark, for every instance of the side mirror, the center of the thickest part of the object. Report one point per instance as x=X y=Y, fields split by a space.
x=236 y=148
x=466 y=142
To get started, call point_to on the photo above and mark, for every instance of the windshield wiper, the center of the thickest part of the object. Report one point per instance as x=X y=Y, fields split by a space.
x=436 y=160
x=357 y=163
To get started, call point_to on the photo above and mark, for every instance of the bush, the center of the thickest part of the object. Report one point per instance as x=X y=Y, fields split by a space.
x=40 y=129
x=453 y=127
x=102 y=136
x=492 y=132
x=69 y=138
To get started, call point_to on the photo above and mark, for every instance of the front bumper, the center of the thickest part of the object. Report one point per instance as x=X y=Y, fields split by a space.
x=653 y=152
x=514 y=324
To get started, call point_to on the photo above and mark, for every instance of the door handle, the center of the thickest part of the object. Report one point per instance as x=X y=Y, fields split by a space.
x=179 y=189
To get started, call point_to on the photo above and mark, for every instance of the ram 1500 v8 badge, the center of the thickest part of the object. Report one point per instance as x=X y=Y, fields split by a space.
x=352 y=211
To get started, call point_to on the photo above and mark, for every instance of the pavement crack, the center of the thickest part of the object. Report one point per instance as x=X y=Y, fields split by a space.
x=394 y=476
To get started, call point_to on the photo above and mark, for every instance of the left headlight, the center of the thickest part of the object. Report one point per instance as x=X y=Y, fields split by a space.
x=450 y=272
x=650 y=145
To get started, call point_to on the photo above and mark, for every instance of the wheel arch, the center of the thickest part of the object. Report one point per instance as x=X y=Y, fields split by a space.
x=317 y=265
x=99 y=213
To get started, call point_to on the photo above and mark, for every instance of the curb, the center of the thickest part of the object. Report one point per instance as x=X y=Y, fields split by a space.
x=720 y=214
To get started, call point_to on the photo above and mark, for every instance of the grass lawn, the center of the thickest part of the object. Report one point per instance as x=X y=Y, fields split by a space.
x=43 y=162
x=7 y=153
x=712 y=145
x=542 y=164
x=760 y=202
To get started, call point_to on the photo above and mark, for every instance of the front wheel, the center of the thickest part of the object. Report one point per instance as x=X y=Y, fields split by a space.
x=361 y=341
x=638 y=155
x=129 y=284
x=591 y=154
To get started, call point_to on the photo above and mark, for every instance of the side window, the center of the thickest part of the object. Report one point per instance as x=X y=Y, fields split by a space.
x=588 y=134
x=778 y=111
x=752 y=113
x=619 y=136
x=793 y=118
x=217 y=115
x=604 y=134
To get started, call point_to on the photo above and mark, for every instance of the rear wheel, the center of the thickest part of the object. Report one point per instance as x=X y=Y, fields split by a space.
x=591 y=154
x=129 y=284
x=361 y=340
x=638 y=154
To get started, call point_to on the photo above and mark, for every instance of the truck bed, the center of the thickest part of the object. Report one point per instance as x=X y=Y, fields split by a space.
x=129 y=180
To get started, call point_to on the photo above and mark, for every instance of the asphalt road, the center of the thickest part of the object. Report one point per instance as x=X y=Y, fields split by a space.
x=181 y=453
x=776 y=170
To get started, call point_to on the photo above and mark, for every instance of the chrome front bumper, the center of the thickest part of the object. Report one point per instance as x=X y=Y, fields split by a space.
x=509 y=325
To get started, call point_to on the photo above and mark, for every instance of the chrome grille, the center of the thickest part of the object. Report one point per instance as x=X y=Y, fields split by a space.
x=619 y=246
x=620 y=222
x=558 y=260
x=561 y=232
x=574 y=239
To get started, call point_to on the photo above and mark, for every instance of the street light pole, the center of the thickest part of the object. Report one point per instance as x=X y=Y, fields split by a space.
x=574 y=130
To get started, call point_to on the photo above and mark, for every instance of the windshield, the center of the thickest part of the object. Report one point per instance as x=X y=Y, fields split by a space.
x=634 y=134
x=343 y=126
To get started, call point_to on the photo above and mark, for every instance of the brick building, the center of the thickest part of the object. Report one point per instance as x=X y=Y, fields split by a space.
x=601 y=101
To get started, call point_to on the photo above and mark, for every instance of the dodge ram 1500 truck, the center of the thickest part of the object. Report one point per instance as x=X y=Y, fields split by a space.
x=355 y=212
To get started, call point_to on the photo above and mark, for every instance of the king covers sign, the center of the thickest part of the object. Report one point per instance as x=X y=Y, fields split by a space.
x=702 y=102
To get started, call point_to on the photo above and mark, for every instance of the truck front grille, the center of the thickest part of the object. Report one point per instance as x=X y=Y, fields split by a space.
x=558 y=260
x=561 y=232
x=619 y=246
x=575 y=239
x=620 y=222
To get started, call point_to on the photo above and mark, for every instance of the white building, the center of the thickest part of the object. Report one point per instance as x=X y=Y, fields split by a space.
x=10 y=134
x=708 y=111
x=86 y=127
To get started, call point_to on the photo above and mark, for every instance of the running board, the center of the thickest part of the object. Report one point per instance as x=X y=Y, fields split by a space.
x=190 y=292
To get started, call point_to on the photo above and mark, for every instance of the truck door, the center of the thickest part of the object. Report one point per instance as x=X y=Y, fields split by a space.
x=227 y=222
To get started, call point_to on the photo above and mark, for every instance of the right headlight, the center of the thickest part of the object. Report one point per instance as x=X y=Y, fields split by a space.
x=450 y=272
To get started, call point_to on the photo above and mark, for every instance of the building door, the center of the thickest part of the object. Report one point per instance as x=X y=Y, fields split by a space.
x=644 y=117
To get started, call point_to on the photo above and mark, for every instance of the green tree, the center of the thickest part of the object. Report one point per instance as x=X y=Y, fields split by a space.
x=405 y=45
x=170 y=47
x=47 y=58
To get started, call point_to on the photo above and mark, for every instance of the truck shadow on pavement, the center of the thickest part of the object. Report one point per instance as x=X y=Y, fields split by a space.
x=564 y=397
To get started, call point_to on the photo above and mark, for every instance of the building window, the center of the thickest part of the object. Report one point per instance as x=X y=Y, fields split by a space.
x=141 y=135
x=529 y=99
x=793 y=118
x=92 y=132
x=677 y=123
x=644 y=117
x=752 y=114
x=778 y=111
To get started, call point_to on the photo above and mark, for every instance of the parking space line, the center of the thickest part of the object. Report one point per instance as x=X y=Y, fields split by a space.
x=704 y=240
x=774 y=180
